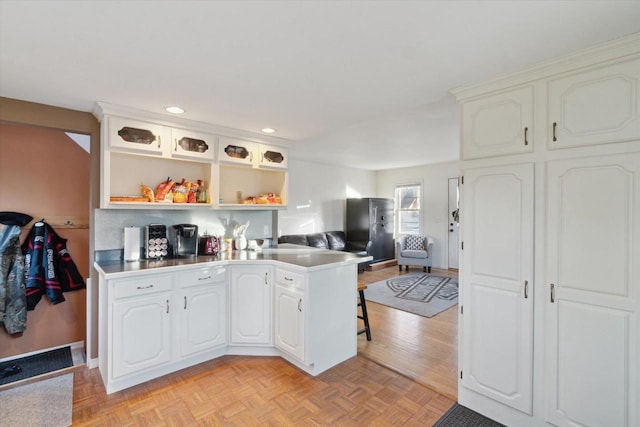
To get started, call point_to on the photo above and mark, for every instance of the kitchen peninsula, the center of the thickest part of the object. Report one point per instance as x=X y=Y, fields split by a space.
x=160 y=316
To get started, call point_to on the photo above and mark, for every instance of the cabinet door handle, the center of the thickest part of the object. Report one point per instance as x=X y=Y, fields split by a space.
x=553 y=292
x=175 y=144
x=185 y=302
x=526 y=289
x=144 y=287
x=159 y=141
x=167 y=306
x=251 y=157
x=554 y=131
x=526 y=142
x=266 y=278
x=300 y=302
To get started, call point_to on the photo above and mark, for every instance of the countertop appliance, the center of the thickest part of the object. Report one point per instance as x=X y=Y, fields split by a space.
x=186 y=240
x=156 y=242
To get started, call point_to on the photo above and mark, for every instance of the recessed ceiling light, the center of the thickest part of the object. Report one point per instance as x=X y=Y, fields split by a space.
x=268 y=130
x=174 y=110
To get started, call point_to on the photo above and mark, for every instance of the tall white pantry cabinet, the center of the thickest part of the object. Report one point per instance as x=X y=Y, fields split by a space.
x=549 y=313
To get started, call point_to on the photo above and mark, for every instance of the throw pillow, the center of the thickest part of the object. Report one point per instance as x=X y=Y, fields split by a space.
x=414 y=242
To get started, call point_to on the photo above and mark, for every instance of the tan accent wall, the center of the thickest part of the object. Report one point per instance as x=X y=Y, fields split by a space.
x=41 y=180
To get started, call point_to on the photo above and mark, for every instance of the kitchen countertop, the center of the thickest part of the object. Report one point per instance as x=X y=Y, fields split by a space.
x=305 y=257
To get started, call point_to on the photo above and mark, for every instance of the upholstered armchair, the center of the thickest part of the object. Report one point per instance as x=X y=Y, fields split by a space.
x=414 y=249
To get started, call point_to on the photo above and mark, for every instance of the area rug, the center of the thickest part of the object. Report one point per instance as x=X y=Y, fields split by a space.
x=422 y=294
x=46 y=403
x=36 y=364
x=460 y=416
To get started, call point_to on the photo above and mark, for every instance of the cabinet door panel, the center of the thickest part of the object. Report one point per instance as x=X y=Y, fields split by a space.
x=497 y=324
x=137 y=136
x=203 y=319
x=192 y=145
x=141 y=334
x=273 y=157
x=498 y=125
x=289 y=335
x=236 y=151
x=250 y=305
x=595 y=107
x=592 y=325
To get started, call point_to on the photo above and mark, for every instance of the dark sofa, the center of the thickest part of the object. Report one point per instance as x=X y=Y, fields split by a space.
x=334 y=240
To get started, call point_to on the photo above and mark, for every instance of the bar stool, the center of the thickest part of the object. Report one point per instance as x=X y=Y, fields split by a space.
x=363 y=304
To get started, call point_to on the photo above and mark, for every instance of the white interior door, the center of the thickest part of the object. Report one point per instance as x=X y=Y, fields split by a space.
x=452 y=224
x=593 y=291
x=497 y=302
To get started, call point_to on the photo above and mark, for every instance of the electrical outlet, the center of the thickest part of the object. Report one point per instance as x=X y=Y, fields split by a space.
x=267 y=231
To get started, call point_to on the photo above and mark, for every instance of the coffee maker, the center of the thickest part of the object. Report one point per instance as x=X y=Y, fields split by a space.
x=186 y=240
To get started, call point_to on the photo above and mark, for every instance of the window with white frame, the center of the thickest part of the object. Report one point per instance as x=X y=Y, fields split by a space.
x=407 y=208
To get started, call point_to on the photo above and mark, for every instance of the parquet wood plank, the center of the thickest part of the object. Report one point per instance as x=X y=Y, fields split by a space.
x=424 y=349
x=261 y=391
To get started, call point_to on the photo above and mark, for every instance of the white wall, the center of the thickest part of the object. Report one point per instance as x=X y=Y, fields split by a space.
x=435 y=215
x=317 y=195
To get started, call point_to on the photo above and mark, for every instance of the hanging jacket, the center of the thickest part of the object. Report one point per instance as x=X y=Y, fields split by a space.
x=13 y=304
x=50 y=269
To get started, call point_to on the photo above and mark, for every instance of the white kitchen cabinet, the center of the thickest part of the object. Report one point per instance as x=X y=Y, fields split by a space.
x=551 y=336
x=498 y=271
x=596 y=106
x=189 y=144
x=137 y=136
x=237 y=151
x=251 y=304
x=592 y=291
x=203 y=310
x=273 y=157
x=289 y=306
x=141 y=334
x=498 y=125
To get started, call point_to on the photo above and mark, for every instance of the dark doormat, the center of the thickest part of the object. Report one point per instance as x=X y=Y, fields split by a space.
x=37 y=364
x=459 y=416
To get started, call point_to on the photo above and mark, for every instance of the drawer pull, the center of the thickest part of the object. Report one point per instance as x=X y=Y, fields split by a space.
x=204 y=278
x=288 y=279
x=144 y=287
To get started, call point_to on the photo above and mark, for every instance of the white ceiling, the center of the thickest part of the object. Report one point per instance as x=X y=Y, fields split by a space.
x=356 y=83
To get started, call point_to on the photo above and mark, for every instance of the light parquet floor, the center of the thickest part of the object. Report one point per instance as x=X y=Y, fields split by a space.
x=424 y=349
x=265 y=391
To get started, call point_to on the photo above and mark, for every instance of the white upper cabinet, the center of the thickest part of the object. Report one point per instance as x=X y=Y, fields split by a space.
x=273 y=157
x=192 y=145
x=237 y=151
x=137 y=136
x=498 y=124
x=597 y=106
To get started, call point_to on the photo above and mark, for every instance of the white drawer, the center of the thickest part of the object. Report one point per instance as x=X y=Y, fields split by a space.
x=201 y=276
x=124 y=288
x=290 y=279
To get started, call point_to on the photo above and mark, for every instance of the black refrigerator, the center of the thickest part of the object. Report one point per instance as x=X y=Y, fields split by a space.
x=371 y=220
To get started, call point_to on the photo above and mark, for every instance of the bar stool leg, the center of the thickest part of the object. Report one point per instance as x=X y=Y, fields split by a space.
x=364 y=317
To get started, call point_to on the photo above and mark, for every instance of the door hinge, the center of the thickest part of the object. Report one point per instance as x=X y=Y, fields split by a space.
x=460 y=374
